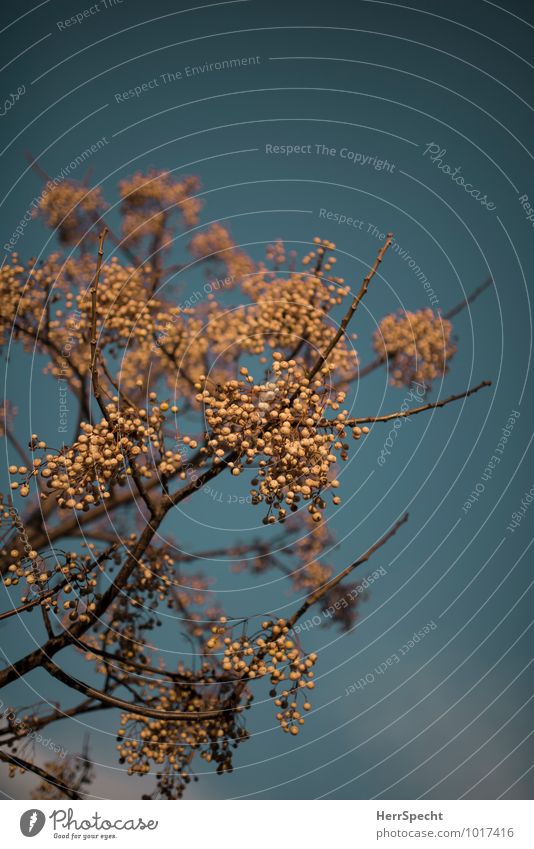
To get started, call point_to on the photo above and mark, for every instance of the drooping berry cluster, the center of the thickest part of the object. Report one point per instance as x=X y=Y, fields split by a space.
x=279 y=425
x=168 y=747
x=62 y=582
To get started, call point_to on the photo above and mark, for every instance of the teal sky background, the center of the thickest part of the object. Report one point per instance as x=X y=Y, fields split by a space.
x=384 y=80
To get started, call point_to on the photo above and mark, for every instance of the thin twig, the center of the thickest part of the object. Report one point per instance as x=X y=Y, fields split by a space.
x=35 y=724
x=469 y=300
x=94 y=339
x=319 y=593
x=54 y=590
x=400 y=414
x=138 y=667
x=29 y=605
x=14 y=760
x=352 y=309
x=371 y=366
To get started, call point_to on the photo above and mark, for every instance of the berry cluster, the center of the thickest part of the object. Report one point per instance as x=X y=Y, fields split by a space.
x=23 y=292
x=417 y=344
x=148 y=202
x=57 y=582
x=72 y=210
x=216 y=243
x=271 y=653
x=291 y=313
x=169 y=746
x=279 y=425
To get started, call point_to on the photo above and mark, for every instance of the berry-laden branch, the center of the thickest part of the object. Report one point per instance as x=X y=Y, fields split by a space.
x=278 y=427
x=286 y=626
x=36 y=658
x=145 y=710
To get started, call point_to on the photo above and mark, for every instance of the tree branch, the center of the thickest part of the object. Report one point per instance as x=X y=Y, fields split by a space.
x=55 y=644
x=400 y=414
x=94 y=339
x=319 y=593
x=469 y=300
x=87 y=706
x=51 y=779
x=352 y=309
x=121 y=704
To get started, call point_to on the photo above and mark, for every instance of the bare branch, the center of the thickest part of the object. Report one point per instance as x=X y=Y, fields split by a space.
x=352 y=309
x=319 y=593
x=87 y=706
x=400 y=414
x=121 y=704
x=94 y=339
x=469 y=300
x=14 y=760
x=130 y=664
